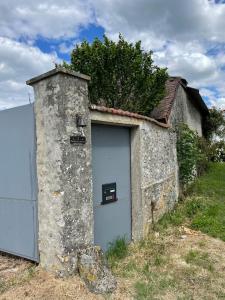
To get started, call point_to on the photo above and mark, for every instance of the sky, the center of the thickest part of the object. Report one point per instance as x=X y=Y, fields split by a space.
x=186 y=36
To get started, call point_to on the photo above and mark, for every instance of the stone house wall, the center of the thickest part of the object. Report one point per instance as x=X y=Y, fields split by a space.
x=183 y=111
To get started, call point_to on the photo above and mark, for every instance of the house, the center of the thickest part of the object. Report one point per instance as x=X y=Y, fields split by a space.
x=181 y=104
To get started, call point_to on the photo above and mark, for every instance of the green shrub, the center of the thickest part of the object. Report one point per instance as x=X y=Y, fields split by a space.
x=123 y=75
x=217 y=151
x=191 y=153
x=214 y=124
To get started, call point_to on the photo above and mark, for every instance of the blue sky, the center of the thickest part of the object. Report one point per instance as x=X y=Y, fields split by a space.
x=89 y=33
x=187 y=37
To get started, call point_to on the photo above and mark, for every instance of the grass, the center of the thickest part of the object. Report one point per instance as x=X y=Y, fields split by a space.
x=158 y=269
x=204 y=208
x=117 y=250
x=24 y=277
x=200 y=259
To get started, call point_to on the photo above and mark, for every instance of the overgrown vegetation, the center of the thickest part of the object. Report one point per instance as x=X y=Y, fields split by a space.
x=217 y=151
x=191 y=154
x=214 y=124
x=214 y=131
x=123 y=75
x=194 y=152
x=118 y=249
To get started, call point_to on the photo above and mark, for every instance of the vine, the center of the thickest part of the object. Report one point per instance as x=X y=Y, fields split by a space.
x=192 y=158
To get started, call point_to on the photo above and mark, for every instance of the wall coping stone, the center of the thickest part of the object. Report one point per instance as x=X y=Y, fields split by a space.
x=55 y=71
x=123 y=113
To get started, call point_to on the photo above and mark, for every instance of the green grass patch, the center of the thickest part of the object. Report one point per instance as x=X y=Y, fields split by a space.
x=117 y=250
x=147 y=289
x=200 y=259
x=143 y=290
x=204 y=208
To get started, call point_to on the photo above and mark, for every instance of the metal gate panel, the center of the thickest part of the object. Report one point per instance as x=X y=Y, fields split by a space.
x=111 y=164
x=18 y=187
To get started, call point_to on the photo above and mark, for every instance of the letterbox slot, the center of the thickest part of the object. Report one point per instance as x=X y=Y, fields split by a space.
x=109 y=193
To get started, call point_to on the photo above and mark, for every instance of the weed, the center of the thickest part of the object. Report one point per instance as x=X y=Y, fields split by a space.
x=3 y=286
x=159 y=260
x=146 y=269
x=31 y=271
x=175 y=217
x=117 y=250
x=193 y=206
x=129 y=269
x=143 y=290
x=167 y=282
x=202 y=244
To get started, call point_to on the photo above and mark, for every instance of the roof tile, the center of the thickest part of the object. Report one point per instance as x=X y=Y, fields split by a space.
x=121 y=112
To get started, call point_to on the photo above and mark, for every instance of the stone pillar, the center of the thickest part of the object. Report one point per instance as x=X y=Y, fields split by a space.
x=65 y=211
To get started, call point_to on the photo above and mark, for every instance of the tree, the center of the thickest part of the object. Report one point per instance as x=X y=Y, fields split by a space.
x=215 y=124
x=122 y=74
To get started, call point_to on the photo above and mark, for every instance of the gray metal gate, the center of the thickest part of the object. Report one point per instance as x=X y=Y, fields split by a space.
x=18 y=189
x=111 y=183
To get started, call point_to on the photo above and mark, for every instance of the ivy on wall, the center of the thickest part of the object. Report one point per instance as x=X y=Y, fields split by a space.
x=191 y=154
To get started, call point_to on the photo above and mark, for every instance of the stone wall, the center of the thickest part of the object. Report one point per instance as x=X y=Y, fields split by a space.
x=158 y=177
x=65 y=213
x=184 y=111
x=154 y=170
x=65 y=207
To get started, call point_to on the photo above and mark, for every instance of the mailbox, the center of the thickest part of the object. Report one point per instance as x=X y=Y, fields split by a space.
x=109 y=193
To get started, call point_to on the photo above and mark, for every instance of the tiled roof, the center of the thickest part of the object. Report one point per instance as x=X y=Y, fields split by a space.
x=163 y=110
x=124 y=113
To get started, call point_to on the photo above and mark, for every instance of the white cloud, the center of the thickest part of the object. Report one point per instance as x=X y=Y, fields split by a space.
x=189 y=62
x=28 y=20
x=218 y=102
x=173 y=20
x=68 y=47
x=50 y=19
x=18 y=63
